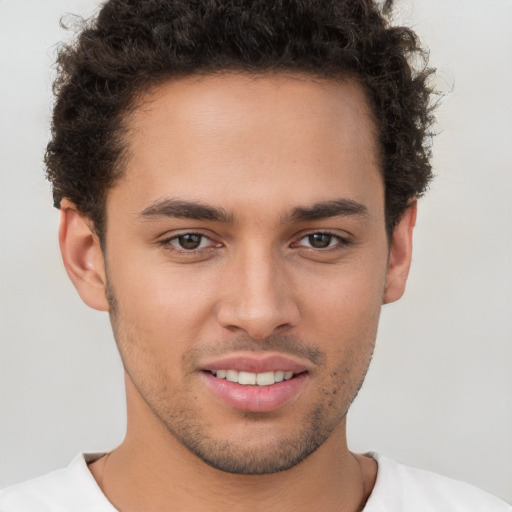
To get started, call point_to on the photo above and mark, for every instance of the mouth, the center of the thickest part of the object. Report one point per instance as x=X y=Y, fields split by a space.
x=254 y=379
x=256 y=384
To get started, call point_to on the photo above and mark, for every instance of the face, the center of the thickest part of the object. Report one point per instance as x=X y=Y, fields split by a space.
x=247 y=261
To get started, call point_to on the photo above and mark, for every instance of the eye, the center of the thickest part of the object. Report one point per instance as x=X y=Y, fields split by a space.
x=321 y=241
x=190 y=241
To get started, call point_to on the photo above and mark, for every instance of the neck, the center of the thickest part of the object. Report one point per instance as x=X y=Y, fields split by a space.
x=151 y=470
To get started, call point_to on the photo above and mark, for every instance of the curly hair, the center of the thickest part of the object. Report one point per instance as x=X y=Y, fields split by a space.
x=131 y=45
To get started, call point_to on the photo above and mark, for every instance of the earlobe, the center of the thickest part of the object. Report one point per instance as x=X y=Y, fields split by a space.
x=400 y=255
x=82 y=256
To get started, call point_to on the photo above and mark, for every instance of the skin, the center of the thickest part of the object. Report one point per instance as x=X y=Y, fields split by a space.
x=262 y=149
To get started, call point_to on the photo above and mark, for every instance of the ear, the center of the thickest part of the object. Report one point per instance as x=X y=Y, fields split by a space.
x=400 y=254
x=82 y=256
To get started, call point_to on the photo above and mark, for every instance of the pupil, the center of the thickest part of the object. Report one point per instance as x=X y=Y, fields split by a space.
x=320 y=240
x=190 y=241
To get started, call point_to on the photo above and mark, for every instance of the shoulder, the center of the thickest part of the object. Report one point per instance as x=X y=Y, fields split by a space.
x=70 y=488
x=400 y=488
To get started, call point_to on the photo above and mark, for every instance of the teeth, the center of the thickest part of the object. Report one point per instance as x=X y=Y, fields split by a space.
x=251 y=379
x=232 y=375
x=265 y=379
x=247 y=378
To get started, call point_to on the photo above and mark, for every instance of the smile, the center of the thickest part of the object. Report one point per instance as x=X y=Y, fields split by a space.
x=256 y=382
x=254 y=379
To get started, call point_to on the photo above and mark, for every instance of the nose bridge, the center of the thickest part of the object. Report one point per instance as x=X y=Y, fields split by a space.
x=260 y=300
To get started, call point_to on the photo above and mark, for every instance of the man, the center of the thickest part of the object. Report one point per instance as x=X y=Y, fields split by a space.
x=238 y=185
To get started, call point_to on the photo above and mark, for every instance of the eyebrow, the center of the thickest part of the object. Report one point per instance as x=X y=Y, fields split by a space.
x=181 y=209
x=326 y=209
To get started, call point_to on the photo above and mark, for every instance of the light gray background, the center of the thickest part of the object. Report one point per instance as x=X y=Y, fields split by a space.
x=439 y=392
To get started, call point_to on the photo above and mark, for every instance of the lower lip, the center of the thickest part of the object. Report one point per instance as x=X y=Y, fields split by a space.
x=256 y=398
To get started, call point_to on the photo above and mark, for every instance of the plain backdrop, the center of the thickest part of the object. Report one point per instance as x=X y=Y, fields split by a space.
x=439 y=391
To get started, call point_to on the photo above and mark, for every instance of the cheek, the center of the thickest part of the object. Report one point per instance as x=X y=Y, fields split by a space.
x=344 y=314
x=347 y=301
x=169 y=305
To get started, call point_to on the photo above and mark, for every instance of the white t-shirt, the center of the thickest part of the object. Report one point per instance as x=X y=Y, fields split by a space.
x=398 y=489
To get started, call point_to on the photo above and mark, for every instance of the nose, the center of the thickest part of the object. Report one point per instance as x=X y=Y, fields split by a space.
x=259 y=298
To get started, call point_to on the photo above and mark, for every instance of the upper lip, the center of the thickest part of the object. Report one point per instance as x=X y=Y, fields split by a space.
x=255 y=363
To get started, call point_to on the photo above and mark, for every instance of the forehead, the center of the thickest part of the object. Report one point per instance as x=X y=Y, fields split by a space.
x=252 y=139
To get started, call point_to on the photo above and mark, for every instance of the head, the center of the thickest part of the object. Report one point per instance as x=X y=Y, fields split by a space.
x=238 y=184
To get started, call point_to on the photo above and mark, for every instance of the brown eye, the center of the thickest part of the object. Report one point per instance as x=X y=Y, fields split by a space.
x=189 y=241
x=195 y=245
x=320 y=240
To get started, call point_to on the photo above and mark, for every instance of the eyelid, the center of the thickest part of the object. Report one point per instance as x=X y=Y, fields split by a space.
x=343 y=241
x=165 y=241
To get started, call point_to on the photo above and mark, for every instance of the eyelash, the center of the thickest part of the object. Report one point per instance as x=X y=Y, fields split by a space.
x=342 y=242
x=167 y=243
